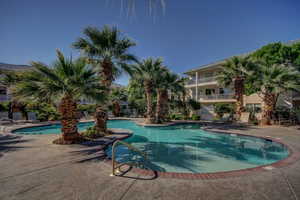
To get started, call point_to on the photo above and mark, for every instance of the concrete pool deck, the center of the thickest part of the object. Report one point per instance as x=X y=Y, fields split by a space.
x=31 y=167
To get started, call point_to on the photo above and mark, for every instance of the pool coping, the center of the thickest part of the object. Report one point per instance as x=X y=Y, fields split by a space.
x=294 y=155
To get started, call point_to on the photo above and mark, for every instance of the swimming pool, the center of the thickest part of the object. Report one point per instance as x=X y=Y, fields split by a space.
x=186 y=148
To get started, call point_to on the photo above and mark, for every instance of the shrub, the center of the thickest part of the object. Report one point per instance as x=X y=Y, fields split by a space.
x=176 y=116
x=222 y=108
x=195 y=117
x=43 y=111
x=92 y=133
x=4 y=106
x=194 y=105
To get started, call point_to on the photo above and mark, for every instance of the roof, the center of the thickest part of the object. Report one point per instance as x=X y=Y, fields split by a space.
x=5 y=66
x=222 y=61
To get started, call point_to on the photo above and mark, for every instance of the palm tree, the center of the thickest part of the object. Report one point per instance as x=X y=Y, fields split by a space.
x=236 y=70
x=117 y=95
x=168 y=82
x=148 y=72
x=8 y=80
x=107 y=50
x=270 y=81
x=66 y=82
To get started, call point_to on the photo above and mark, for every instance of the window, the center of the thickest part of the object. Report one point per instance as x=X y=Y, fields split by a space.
x=255 y=107
x=221 y=91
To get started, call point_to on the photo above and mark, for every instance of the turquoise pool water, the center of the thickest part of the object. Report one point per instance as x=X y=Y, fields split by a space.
x=187 y=148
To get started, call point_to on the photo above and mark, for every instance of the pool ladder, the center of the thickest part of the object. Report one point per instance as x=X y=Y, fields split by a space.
x=116 y=166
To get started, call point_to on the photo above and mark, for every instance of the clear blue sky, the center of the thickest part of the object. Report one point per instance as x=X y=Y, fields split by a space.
x=190 y=33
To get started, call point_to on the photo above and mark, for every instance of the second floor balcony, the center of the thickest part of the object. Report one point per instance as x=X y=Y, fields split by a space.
x=4 y=97
x=216 y=97
x=202 y=80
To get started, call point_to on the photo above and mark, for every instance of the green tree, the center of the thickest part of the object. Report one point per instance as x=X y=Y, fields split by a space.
x=116 y=96
x=148 y=72
x=9 y=79
x=108 y=51
x=235 y=72
x=168 y=83
x=66 y=82
x=270 y=81
x=136 y=96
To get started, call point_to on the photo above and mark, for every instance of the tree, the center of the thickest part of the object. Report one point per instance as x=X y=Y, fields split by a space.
x=274 y=53
x=107 y=50
x=116 y=96
x=136 y=96
x=148 y=72
x=167 y=83
x=66 y=81
x=271 y=80
x=236 y=70
x=9 y=79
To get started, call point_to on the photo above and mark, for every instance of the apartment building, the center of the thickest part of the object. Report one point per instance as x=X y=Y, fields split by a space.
x=204 y=88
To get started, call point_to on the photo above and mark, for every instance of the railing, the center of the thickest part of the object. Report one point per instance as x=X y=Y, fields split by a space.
x=216 y=97
x=296 y=94
x=207 y=79
x=202 y=80
x=4 y=97
x=191 y=82
x=116 y=166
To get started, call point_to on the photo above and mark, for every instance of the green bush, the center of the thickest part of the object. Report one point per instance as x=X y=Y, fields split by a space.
x=222 y=108
x=92 y=133
x=195 y=117
x=4 y=106
x=176 y=116
x=89 y=108
x=44 y=111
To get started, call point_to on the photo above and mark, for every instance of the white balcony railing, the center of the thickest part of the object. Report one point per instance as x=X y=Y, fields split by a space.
x=216 y=97
x=202 y=80
x=4 y=97
x=207 y=79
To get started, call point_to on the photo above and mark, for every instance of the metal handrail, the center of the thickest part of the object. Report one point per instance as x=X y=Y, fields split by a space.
x=129 y=146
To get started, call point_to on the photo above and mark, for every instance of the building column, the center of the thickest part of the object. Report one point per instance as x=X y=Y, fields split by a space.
x=196 y=86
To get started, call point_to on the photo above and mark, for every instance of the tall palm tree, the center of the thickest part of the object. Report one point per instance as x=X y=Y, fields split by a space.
x=235 y=71
x=66 y=82
x=108 y=51
x=149 y=71
x=270 y=81
x=168 y=82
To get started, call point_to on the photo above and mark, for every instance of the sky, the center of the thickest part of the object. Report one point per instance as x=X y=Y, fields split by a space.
x=186 y=34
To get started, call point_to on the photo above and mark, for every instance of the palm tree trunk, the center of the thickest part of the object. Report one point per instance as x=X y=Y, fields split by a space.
x=268 y=108
x=149 y=115
x=159 y=105
x=100 y=120
x=68 y=110
x=165 y=105
x=239 y=95
x=162 y=105
x=101 y=112
x=116 y=109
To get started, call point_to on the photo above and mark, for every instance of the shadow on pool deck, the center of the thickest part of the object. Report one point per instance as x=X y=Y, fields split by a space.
x=9 y=143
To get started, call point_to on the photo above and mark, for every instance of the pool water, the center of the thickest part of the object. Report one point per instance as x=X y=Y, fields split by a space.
x=187 y=148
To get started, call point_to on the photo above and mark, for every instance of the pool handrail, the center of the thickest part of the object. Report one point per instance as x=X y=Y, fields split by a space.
x=129 y=146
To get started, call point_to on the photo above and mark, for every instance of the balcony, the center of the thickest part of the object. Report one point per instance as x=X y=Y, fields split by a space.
x=202 y=80
x=216 y=97
x=4 y=97
x=207 y=79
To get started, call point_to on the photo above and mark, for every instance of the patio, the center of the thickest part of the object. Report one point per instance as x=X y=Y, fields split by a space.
x=33 y=168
